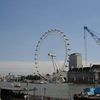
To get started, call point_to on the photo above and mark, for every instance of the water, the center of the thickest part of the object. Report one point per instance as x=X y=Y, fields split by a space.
x=54 y=90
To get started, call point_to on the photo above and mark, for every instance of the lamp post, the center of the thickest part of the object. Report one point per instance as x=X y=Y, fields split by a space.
x=44 y=93
x=27 y=90
x=34 y=91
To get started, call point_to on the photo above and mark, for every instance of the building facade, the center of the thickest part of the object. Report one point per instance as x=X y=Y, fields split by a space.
x=84 y=75
x=75 y=60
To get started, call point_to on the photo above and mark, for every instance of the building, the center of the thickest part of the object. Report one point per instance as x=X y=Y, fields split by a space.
x=84 y=75
x=75 y=61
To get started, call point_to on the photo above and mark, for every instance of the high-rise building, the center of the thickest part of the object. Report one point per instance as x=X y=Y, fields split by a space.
x=75 y=60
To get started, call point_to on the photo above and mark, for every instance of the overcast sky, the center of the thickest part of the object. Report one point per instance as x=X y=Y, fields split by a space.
x=22 y=22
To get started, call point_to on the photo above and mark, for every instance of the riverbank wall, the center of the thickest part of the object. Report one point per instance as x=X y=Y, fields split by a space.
x=37 y=97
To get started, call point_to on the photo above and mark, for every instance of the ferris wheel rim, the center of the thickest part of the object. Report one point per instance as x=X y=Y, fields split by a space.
x=65 y=39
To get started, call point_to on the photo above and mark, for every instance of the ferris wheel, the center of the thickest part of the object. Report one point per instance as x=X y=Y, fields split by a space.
x=42 y=38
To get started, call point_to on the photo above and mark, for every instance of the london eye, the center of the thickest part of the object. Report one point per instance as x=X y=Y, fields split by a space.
x=41 y=41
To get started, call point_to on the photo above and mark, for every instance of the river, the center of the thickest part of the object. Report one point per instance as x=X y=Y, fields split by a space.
x=64 y=90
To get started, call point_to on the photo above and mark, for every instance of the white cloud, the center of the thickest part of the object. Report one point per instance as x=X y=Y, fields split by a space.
x=90 y=64
x=19 y=68
x=16 y=67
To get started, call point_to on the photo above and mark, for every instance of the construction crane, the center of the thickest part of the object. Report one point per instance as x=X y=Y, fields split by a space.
x=57 y=75
x=94 y=36
x=54 y=64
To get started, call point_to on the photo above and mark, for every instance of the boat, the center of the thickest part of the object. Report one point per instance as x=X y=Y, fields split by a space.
x=16 y=84
x=92 y=93
x=9 y=93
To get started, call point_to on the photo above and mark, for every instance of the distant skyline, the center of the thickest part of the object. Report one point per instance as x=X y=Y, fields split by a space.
x=22 y=22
